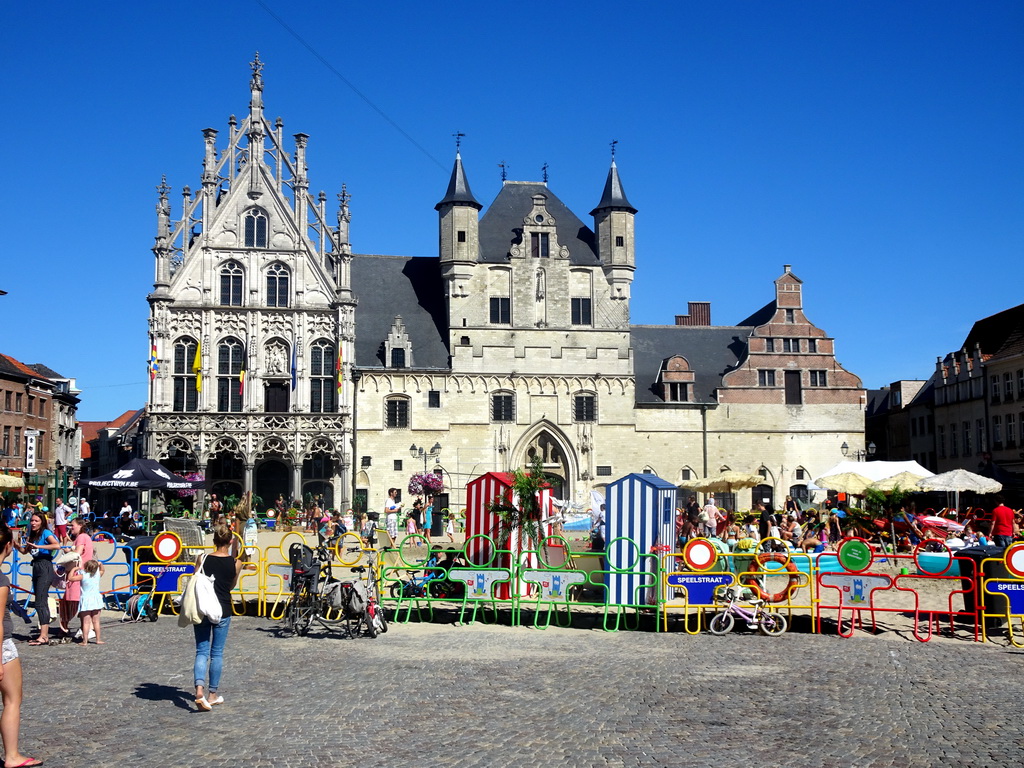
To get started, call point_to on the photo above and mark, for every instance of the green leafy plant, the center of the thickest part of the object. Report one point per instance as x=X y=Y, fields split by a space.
x=517 y=509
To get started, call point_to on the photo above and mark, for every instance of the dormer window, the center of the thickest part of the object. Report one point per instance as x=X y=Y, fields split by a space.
x=255 y=228
x=398 y=346
x=540 y=245
x=676 y=380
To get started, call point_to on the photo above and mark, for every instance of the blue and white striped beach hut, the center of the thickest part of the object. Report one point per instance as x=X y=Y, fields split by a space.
x=641 y=508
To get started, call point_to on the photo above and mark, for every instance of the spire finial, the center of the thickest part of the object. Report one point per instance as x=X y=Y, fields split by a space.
x=344 y=196
x=504 y=170
x=163 y=189
x=459 y=135
x=613 y=143
x=257 y=68
x=544 y=172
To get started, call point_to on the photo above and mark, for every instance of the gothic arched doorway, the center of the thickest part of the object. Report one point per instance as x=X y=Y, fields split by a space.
x=557 y=456
x=225 y=473
x=273 y=478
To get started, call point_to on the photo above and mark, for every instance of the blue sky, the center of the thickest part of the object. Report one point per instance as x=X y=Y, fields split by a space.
x=875 y=146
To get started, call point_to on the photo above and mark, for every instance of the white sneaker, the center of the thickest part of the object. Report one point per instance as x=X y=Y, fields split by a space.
x=216 y=699
x=203 y=704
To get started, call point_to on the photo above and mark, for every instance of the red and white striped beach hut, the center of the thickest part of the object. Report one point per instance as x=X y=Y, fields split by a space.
x=481 y=494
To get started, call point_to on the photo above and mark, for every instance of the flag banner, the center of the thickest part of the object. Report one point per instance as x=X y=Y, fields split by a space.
x=295 y=365
x=241 y=382
x=197 y=365
x=153 y=366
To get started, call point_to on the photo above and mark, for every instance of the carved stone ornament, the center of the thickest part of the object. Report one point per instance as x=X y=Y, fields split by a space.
x=276 y=357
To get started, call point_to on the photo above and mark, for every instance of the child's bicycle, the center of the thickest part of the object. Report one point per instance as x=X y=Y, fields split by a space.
x=433 y=583
x=768 y=622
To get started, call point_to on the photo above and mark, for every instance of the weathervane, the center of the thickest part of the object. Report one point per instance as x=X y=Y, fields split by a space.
x=458 y=140
x=614 y=142
x=544 y=171
x=504 y=170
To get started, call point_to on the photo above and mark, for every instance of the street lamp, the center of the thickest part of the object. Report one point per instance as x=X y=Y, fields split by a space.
x=421 y=453
x=860 y=454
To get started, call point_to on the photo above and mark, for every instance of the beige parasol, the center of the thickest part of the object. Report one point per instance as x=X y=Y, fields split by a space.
x=845 y=482
x=10 y=482
x=905 y=481
x=959 y=480
x=726 y=482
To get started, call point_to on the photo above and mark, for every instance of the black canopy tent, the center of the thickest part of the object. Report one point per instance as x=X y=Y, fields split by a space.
x=143 y=475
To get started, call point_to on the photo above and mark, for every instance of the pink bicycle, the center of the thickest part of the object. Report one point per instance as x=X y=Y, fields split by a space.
x=768 y=622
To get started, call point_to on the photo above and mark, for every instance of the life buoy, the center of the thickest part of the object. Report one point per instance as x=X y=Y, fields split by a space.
x=773 y=557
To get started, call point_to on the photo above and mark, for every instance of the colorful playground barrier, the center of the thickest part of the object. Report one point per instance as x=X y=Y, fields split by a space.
x=856 y=586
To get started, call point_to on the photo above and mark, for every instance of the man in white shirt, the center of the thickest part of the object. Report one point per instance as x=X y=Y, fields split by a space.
x=60 y=520
x=83 y=508
x=391 y=509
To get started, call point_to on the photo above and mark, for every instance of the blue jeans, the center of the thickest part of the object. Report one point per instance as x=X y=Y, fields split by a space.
x=210 y=655
x=1003 y=541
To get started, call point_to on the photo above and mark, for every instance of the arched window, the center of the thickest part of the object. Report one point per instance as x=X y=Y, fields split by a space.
x=503 y=406
x=584 y=407
x=323 y=371
x=230 y=357
x=231 y=284
x=396 y=412
x=277 y=285
x=255 y=228
x=186 y=397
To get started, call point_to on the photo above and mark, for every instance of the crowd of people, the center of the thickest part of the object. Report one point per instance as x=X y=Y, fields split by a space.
x=814 y=531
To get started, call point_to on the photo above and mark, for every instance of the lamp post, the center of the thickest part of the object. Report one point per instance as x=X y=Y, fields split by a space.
x=421 y=453
x=860 y=454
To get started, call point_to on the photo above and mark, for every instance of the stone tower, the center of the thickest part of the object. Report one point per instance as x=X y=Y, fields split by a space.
x=252 y=321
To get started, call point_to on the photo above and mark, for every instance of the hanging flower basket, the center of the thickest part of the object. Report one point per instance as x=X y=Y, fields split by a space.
x=425 y=482
x=197 y=476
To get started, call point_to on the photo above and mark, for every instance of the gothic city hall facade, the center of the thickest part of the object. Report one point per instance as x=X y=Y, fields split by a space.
x=288 y=364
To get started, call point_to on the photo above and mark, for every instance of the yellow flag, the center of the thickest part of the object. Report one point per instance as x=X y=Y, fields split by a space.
x=197 y=365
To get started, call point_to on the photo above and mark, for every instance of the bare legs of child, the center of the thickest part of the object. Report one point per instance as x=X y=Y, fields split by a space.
x=91 y=621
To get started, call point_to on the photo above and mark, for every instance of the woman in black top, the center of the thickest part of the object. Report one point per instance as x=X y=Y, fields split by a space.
x=41 y=544
x=210 y=638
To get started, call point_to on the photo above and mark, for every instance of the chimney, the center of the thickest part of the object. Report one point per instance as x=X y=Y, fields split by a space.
x=699 y=314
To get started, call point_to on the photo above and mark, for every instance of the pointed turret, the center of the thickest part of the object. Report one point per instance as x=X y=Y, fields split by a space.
x=458 y=189
x=613 y=224
x=459 y=230
x=614 y=196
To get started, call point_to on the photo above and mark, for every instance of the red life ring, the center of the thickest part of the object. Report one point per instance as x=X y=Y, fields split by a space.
x=773 y=557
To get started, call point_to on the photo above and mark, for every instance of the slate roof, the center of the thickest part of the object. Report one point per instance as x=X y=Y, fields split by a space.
x=877 y=402
x=994 y=332
x=13 y=367
x=400 y=285
x=502 y=224
x=45 y=371
x=710 y=351
x=458 y=188
x=762 y=316
x=614 y=196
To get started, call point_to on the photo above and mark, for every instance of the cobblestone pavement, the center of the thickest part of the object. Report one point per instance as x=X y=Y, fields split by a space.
x=425 y=695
